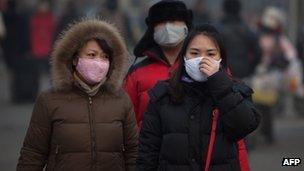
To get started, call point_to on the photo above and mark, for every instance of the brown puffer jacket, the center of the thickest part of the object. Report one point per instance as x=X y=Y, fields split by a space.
x=70 y=131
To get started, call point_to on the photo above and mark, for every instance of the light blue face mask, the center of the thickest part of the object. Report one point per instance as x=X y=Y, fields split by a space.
x=192 y=68
x=170 y=35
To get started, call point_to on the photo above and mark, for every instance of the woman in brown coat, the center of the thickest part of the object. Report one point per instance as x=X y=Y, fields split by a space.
x=86 y=122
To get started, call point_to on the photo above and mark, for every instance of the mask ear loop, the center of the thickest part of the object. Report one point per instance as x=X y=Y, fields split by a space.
x=220 y=64
x=219 y=61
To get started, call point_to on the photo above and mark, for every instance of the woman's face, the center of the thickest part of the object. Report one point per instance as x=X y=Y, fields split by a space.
x=202 y=46
x=92 y=50
x=92 y=64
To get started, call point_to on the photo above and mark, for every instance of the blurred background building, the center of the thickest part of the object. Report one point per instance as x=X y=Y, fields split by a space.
x=272 y=48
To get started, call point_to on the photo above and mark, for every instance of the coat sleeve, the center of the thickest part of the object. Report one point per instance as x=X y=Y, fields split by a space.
x=130 y=138
x=238 y=114
x=35 y=149
x=130 y=87
x=149 y=140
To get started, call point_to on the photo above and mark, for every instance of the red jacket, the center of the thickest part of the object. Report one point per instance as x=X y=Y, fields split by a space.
x=42 y=28
x=143 y=76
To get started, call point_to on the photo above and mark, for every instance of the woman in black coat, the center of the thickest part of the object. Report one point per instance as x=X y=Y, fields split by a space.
x=176 y=131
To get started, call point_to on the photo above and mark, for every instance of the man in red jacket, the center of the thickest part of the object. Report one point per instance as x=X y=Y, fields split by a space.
x=168 y=23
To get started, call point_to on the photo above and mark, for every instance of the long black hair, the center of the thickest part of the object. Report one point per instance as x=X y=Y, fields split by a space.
x=176 y=86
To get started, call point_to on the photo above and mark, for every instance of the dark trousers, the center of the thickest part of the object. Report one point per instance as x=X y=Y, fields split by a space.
x=266 y=128
x=25 y=81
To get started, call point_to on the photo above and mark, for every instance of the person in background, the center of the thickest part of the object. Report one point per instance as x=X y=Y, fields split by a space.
x=111 y=10
x=16 y=52
x=200 y=13
x=195 y=119
x=168 y=24
x=278 y=75
x=136 y=26
x=86 y=121
x=70 y=14
x=42 y=33
x=244 y=51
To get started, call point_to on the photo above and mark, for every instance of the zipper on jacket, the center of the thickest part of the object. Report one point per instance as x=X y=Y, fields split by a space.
x=123 y=149
x=93 y=134
x=57 y=150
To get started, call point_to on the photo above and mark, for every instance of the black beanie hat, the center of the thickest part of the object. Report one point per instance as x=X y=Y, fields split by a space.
x=167 y=10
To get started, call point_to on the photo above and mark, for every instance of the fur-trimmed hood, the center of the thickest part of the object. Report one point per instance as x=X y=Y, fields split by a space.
x=70 y=42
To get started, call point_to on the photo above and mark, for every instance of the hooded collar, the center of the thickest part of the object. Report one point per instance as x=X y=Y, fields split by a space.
x=70 y=42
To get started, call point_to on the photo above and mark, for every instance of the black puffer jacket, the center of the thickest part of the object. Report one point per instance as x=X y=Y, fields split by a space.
x=175 y=137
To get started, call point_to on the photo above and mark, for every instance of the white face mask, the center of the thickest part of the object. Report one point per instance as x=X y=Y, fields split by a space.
x=192 y=68
x=170 y=35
